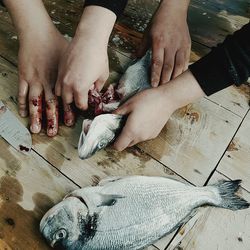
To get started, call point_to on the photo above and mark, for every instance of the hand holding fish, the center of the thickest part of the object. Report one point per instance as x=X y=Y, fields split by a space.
x=39 y=55
x=85 y=62
x=144 y=121
x=169 y=38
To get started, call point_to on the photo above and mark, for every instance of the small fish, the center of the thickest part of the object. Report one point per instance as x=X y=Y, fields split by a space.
x=130 y=213
x=104 y=128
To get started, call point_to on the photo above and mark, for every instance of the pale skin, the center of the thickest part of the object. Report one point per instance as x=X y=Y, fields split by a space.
x=44 y=52
x=143 y=122
x=55 y=68
x=41 y=47
x=168 y=35
x=85 y=62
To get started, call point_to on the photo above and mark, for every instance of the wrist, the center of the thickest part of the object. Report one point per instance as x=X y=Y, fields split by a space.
x=182 y=91
x=96 y=24
x=175 y=7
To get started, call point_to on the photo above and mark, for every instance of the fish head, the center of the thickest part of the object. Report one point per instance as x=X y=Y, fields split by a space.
x=98 y=133
x=135 y=78
x=63 y=225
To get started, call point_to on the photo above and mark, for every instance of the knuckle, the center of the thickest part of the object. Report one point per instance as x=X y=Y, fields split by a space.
x=157 y=62
x=168 y=66
x=179 y=64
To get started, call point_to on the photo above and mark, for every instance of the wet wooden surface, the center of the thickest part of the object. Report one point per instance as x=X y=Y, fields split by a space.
x=211 y=134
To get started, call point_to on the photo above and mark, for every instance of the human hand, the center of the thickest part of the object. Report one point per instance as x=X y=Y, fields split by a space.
x=149 y=110
x=144 y=122
x=38 y=64
x=169 y=38
x=85 y=63
x=41 y=47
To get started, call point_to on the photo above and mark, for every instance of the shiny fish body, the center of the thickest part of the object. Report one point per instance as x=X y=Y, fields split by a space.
x=104 y=128
x=131 y=212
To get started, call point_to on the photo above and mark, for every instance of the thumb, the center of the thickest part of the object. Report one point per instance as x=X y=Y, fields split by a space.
x=125 y=109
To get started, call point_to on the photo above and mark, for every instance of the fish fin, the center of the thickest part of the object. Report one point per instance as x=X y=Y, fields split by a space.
x=109 y=199
x=228 y=197
x=110 y=179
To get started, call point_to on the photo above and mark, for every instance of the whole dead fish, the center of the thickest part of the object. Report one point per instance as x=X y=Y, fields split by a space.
x=103 y=129
x=130 y=213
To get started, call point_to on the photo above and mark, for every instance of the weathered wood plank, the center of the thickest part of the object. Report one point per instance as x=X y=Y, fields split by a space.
x=225 y=229
x=29 y=186
x=235 y=99
x=194 y=139
x=235 y=162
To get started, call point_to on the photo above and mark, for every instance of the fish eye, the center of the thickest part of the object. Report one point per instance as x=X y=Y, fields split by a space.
x=101 y=144
x=61 y=234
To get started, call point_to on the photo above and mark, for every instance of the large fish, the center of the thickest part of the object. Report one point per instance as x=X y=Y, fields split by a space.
x=129 y=213
x=99 y=133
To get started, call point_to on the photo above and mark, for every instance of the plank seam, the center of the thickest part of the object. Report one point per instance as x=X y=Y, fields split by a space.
x=165 y=166
x=231 y=179
x=211 y=174
x=55 y=168
x=225 y=107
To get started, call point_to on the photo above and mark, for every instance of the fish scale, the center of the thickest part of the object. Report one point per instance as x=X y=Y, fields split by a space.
x=131 y=212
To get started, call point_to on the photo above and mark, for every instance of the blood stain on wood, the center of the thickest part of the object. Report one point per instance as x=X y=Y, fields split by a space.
x=95 y=180
x=232 y=146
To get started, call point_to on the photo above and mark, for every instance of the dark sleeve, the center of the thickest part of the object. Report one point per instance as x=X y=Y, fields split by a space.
x=227 y=64
x=1 y=2
x=117 y=6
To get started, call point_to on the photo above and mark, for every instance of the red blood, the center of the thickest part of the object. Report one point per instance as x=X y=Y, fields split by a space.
x=35 y=102
x=51 y=124
x=97 y=99
x=23 y=148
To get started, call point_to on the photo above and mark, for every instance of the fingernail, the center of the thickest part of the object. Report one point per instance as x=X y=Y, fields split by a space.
x=23 y=113
x=154 y=84
x=35 y=128
x=69 y=122
x=51 y=132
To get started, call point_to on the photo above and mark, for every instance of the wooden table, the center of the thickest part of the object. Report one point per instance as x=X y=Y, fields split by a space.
x=203 y=142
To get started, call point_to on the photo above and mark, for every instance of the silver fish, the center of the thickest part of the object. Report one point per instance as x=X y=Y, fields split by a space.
x=130 y=213
x=103 y=129
x=98 y=133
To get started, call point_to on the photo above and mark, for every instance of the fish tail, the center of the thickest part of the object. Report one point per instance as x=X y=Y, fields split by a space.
x=228 y=197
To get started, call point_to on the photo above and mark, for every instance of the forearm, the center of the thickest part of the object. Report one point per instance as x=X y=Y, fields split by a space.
x=29 y=16
x=182 y=90
x=96 y=24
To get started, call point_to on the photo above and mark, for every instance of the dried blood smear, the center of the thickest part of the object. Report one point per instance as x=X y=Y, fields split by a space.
x=97 y=100
x=51 y=123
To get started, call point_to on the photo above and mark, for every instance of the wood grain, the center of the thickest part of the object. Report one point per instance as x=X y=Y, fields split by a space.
x=235 y=162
